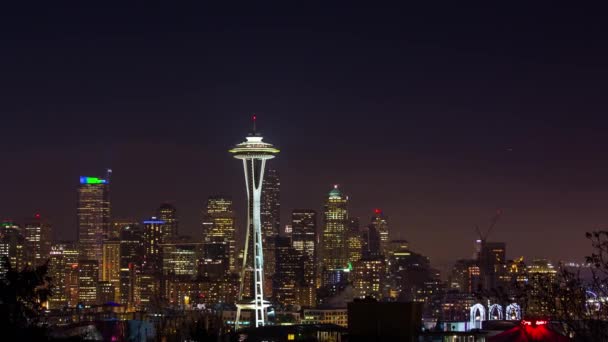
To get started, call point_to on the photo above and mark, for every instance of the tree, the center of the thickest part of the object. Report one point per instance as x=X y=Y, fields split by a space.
x=22 y=293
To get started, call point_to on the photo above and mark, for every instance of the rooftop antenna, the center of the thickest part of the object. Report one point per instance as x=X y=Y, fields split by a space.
x=254 y=118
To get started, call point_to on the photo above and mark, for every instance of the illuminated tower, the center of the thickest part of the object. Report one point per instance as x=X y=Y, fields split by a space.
x=167 y=212
x=254 y=154
x=93 y=216
x=333 y=241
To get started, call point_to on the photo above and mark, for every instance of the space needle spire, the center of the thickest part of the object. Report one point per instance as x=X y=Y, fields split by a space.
x=254 y=153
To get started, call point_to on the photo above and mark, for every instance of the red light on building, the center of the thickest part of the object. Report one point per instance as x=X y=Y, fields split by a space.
x=535 y=322
x=377 y=211
x=37 y=215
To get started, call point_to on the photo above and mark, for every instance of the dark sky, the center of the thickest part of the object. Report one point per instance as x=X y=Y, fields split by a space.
x=438 y=115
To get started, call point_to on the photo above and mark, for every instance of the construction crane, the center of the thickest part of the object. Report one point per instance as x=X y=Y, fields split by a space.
x=483 y=237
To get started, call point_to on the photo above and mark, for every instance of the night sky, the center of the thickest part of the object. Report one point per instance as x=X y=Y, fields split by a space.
x=438 y=115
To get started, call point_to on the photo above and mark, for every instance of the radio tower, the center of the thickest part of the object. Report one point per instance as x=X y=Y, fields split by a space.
x=254 y=154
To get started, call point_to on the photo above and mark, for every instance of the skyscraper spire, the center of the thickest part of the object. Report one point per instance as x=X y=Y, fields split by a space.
x=254 y=118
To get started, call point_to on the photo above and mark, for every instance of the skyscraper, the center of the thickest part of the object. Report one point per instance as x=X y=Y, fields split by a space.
x=219 y=226
x=270 y=218
x=289 y=272
x=38 y=239
x=254 y=153
x=88 y=277
x=12 y=246
x=110 y=270
x=380 y=222
x=333 y=239
x=152 y=239
x=93 y=216
x=131 y=255
x=167 y=212
x=303 y=236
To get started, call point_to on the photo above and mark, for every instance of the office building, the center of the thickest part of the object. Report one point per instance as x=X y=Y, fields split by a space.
x=167 y=212
x=110 y=271
x=88 y=277
x=303 y=237
x=152 y=239
x=289 y=273
x=380 y=222
x=12 y=246
x=368 y=277
x=93 y=214
x=334 y=248
x=219 y=226
x=38 y=240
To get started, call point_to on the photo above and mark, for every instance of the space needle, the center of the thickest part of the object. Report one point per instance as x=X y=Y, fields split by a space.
x=254 y=153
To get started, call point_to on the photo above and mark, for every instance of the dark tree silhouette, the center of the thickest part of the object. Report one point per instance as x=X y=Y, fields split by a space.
x=22 y=293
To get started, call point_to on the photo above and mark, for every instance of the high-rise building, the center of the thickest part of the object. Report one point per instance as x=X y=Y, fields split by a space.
x=371 y=242
x=38 y=239
x=167 y=212
x=214 y=264
x=465 y=276
x=254 y=153
x=492 y=263
x=118 y=224
x=289 y=272
x=152 y=239
x=541 y=277
x=334 y=249
x=12 y=246
x=270 y=210
x=110 y=271
x=63 y=270
x=368 y=276
x=88 y=277
x=219 y=226
x=303 y=237
x=180 y=257
x=93 y=216
x=131 y=258
x=270 y=218
x=380 y=222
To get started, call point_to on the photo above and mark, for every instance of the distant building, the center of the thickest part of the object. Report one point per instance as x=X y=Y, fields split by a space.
x=270 y=217
x=334 y=251
x=131 y=259
x=180 y=257
x=110 y=272
x=541 y=275
x=167 y=212
x=152 y=239
x=325 y=316
x=368 y=277
x=88 y=277
x=106 y=292
x=289 y=273
x=380 y=222
x=465 y=276
x=491 y=261
x=303 y=237
x=93 y=212
x=63 y=269
x=219 y=226
x=12 y=246
x=38 y=239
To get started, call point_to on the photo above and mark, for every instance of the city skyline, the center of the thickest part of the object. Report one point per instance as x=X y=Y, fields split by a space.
x=438 y=119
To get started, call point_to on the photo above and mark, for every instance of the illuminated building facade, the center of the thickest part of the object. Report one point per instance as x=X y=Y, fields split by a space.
x=110 y=271
x=270 y=217
x=326 y=316
x=465 y=276
x=334 y=248
x=219 y=226
x=152 y=239
x=491 y=261
x=167 y=212
x=254 y=153
x=303 y=237
x=180 y=257
x=63 y=269
x=131 y=258
x=380 y=223
x=93 y=213
x=38 y=239
x=106 y=292
x=541 y=275
x=88 y=277
x=12 y=246
x=368 y=277
x=289 y=271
